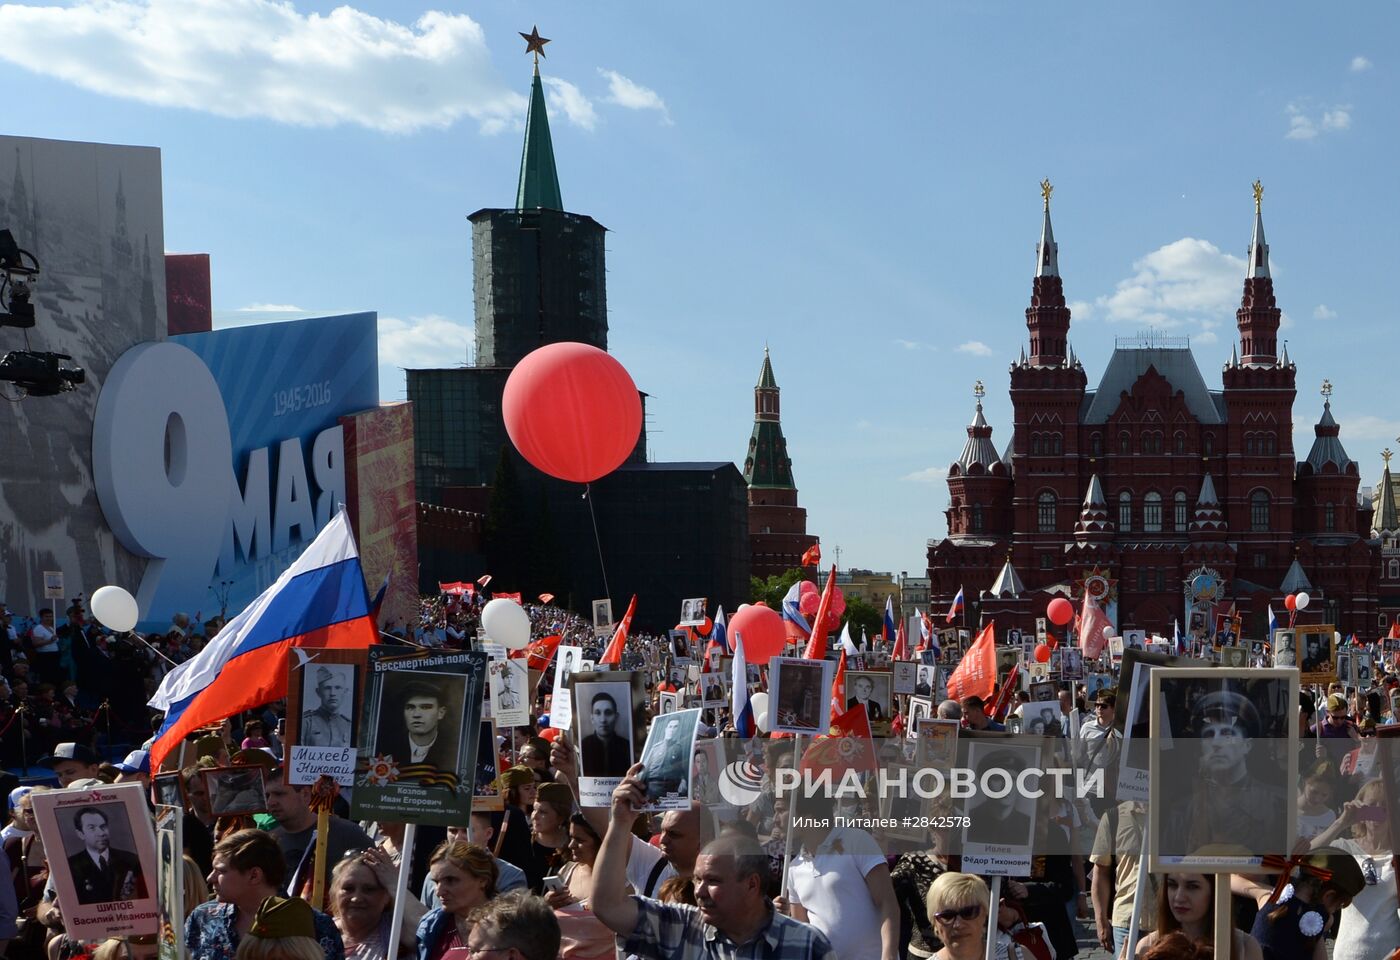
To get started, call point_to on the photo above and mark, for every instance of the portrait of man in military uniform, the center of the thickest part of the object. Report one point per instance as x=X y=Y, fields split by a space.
x=666 y=758
x=328 y=723
x=1224 y=751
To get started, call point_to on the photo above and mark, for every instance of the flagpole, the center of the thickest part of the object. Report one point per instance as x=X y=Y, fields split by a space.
x=799 y=749
x=401 y=887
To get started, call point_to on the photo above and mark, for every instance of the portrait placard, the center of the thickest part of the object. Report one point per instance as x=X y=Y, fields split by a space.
x=919 y=708
x=1234 y=658
x=1223 y=768
x=667 y=759
x=510 y=685
x=712 y=691
x=1285 y=647
x=168 y=789
x=705 y=772
x=1132 y=717
x=609 y=724
x=906 y=677
x=903 y=810
x=799 y=695
x=170 y=852
x=668 y=702
x=421 y=722
x=325 y=688
x=602 y=618
x=1317 y=653
x=1000 y=826
x=693 y=612
x=925 y=680
x=236 y=791
x=81 y=828
x=938 y=742
x=485 y=794
x=874 y=690
x=566 y=664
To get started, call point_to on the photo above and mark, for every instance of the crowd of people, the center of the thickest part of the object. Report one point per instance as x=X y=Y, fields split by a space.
x=777 y=877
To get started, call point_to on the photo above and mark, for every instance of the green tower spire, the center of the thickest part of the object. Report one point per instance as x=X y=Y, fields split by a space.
x=539 y=178
x=768 y=464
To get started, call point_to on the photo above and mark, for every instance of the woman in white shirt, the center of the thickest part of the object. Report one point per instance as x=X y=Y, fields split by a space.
x=1370 y=926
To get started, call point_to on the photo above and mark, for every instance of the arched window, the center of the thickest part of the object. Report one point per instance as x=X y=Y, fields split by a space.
x=1179 y=517
x=1057 y=444
x=1329 y=518
x=1036 y=445
x=1096 y=445
x=1208 y=445
x=1249 y=445
x=1125 y=442
x=1125 y=512
x=1179 y=442
x=1259 y=510
x=1045 y=512
x=1152 y=512
x=1268 y=444
x=977 y=518
x=1395 y=569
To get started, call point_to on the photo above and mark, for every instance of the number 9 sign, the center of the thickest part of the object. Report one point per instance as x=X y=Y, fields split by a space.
x=161 y=456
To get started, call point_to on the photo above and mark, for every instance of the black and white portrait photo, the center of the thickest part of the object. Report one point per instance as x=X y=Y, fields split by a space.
x=799 y=695
x=327 y=701
x=1223 y=764
x=1285 y=648
x=1344 y=662
x=668 y=702
x=925 y=680
x=705 y=770
x=485 y=794
x=712 y=691
x=919 y=708
x=168 y=789
x=1234 y=657
x=1072 y=664
x=101 y=856
x=1315 y=647
x=999 y=818
x=420 y=724
x=874 y=691
x=602 y=616
x=604 y=715
x=906 y=677
x=667 y=759
x=693 y=612
x=1044 y=692
x=509 y=680
x=1361 y=660
x=236 y=791
x=567 y=662
x=1007 y=657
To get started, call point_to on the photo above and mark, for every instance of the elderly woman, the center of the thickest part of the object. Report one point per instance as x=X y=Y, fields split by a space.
x=957 y=905
x=466 y=877
x=362 y=903
x=1369 y=925
x=585 y=937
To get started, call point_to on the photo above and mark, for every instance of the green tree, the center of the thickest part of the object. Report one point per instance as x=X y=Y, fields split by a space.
x=772 y=590
x=863 y=616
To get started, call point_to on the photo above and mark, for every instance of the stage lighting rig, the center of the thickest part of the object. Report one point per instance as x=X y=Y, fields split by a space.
x=38 y=373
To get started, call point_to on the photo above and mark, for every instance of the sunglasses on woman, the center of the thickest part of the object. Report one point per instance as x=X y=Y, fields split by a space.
x=966 y=913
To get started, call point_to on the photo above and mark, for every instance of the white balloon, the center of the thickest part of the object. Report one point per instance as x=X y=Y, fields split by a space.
x=759 y=703
x=1108 y=632
x=506 y=622
x=114 y=608
x=1302 y=601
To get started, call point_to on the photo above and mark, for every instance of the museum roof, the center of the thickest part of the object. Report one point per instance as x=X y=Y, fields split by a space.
x=1177 y=365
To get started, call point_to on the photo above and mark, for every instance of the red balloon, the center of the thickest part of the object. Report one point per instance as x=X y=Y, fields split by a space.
x=1059 y=611
x=1291 y=601
x=762 y=630
x=551 y=733
x=572 y=411
x=1042 y=653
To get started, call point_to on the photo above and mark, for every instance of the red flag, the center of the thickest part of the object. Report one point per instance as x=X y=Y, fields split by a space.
x=613 y=654
x=540 y=652
x=816 y=645
x=483 y=580
x=546 y=598
x=510 y=596
x=1394 y=630
x=838 y=687
x=850 y=746
x=976 y=674
x=1092 y=621
x=812 y=557
x=1003 y=701
x=901 y=643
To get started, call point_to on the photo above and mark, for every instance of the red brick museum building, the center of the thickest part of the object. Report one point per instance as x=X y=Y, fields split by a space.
x=1152 y=476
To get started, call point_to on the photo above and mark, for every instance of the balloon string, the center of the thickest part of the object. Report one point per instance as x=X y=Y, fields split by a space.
x=588 y=495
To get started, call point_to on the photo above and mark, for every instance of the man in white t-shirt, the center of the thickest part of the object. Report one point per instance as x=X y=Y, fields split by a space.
x=43 y=646
x=840 y=884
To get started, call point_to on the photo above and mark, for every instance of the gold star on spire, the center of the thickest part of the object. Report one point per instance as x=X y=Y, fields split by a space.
x=534 y=43
x=1258 y=195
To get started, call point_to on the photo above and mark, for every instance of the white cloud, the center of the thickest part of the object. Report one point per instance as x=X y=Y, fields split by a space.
x=1368 y=427
x=271 y=308
x=564 y=96
x=633 y=96
x=1188 y=284
x=1307 y=123
x=975 y=347
x=427 y=341
x=1360 y=64
x=1324 y=312
x=927 y=475
x=261 y=58
x=912 y=345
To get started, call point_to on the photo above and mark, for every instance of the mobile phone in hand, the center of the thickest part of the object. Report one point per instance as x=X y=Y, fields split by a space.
x=553 y=884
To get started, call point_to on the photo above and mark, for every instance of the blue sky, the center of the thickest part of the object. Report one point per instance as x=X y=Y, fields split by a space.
x=855 y=185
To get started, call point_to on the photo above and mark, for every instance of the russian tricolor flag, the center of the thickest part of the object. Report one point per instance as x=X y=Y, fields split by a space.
x=719 y=632
x=1273 y=623
x=319 y=601
x=957 y=606
x=887 y=628
x=739 y=684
